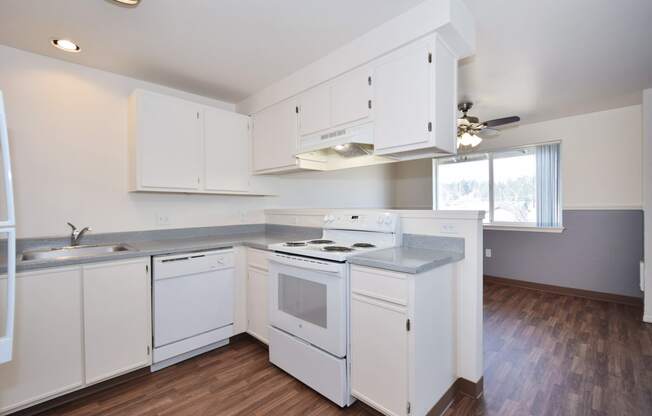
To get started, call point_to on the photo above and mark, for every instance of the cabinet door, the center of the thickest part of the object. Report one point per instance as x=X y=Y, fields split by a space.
x=117 y=317
x=275 y=137
x=47 y=358
x=351 y=97
x=227 y=151
x=170 y=135
x=402 y=100
x=257 y=304
x=379 y=354
x=314 y=110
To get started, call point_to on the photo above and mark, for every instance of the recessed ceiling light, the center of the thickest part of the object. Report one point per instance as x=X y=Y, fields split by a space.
x=127 y=2
x=66 y=45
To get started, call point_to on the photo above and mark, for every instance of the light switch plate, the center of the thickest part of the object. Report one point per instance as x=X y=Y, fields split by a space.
x=487 y=252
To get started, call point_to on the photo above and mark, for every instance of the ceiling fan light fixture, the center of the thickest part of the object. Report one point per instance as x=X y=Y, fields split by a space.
x=468 y=139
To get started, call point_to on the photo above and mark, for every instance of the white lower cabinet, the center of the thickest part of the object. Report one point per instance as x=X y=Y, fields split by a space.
x=116 y=318
x=48 y=339
x=76 y=326
x=257 y=276
x=379 y=354
x=402 y=338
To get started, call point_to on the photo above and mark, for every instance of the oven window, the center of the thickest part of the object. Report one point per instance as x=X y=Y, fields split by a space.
x=303 y=299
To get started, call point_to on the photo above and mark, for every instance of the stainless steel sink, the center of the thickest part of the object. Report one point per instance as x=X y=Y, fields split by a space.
x=74 y=252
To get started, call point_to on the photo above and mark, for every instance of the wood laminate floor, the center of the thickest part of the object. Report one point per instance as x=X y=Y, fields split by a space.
x=545 y=354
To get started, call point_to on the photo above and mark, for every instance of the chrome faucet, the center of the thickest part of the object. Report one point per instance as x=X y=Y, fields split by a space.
x=76 y=235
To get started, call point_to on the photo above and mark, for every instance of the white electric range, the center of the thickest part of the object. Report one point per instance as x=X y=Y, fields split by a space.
x=309 y=298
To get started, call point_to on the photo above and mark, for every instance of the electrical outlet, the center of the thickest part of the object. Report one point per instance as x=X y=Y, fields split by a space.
x=487 y=253
x=162 y=219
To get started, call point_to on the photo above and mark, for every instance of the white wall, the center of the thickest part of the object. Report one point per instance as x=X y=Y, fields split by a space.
x=601 y=163
x=647 y=202
x=412 y=186
x=68 y=139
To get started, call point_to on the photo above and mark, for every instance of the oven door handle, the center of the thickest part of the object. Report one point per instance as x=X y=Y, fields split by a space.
x=308 y=264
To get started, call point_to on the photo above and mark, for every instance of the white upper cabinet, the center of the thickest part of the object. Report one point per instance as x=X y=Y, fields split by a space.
x=227 y=151
x=415 y=99
x=180 y=146
x=275 y=136
x=169 y=135
x=351 y=97
x=402 y=100
x=345 y=100
x=315 y=110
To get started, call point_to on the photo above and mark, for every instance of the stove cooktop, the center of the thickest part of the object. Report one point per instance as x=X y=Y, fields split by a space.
x=326 y=248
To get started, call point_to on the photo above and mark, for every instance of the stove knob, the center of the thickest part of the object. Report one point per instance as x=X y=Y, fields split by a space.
x=388 y=220
x=380 y=219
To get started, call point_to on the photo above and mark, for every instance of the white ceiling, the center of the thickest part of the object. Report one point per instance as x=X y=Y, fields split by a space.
x=537 y=59
x=544 y=59
x=224 y=49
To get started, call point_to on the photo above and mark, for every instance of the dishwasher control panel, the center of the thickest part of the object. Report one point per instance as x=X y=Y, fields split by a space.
x=189 y=263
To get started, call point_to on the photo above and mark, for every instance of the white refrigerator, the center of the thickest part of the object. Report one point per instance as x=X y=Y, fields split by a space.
x=7 y=244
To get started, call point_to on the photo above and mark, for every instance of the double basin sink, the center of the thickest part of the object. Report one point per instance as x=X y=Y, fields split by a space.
x=72 y=252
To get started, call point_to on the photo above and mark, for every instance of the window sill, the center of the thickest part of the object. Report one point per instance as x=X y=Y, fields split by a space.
x=526 y=228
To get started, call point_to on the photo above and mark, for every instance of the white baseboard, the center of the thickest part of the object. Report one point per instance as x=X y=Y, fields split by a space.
x=647 y=318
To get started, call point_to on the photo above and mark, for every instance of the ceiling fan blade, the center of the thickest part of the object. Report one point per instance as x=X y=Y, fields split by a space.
x=487 y=133
x=501 y=121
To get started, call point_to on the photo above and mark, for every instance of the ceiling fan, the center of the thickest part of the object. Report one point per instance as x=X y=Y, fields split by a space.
x=470 y=131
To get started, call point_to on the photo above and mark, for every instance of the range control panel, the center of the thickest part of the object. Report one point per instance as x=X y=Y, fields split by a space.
x=386 y=222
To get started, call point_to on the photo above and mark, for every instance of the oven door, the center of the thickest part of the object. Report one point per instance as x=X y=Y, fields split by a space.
x=307 y=299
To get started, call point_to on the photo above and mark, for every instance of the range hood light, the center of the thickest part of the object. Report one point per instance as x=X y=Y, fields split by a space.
x=341 y=147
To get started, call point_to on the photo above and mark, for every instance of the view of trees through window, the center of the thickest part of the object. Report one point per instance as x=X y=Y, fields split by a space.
x=515 y=187
x=506 y=178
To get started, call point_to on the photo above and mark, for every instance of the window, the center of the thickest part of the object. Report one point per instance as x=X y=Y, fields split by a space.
x=517 y=186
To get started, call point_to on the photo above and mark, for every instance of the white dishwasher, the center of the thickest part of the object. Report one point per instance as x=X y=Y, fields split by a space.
x=192 y=304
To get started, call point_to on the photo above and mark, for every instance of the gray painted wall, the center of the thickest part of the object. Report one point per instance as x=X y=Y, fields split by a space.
x=599 y=250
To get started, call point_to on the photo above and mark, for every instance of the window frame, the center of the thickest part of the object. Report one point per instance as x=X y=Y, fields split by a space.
x=504 y=225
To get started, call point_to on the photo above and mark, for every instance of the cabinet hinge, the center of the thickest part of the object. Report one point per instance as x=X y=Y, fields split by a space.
x=147 y=268
x=429 y=57
x=430 y=126
x=148 y=350
x=296 y=109
x=369 y=80
x=198 y=179
x=197 y=115
x=409 y=407
x=408 y=325
x=369 y=104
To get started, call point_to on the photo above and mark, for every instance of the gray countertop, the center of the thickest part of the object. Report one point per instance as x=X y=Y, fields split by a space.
x=406 y=259
x=419 y=253
x=155 y=247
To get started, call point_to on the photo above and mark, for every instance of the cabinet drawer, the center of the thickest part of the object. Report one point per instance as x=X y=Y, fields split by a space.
x=380 y=284
x=257 y=258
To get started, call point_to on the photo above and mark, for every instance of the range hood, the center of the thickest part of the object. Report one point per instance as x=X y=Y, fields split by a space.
x=340 y=148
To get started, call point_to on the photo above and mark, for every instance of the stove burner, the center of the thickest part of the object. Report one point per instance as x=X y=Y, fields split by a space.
x=363 y=245
x=321 y=242
x=337 y=248
x=294 y=244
